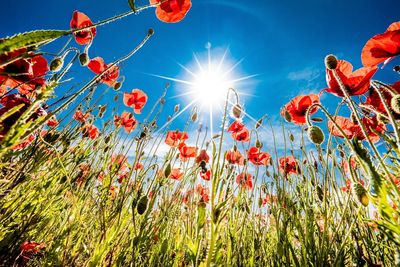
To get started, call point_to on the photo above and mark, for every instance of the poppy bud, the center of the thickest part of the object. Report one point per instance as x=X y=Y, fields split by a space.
x=259 y=144
x=397 y=68
x=150 y=32
x=361 y=194
x=315 y=135
x=116 y=98
x=291 y=137
x=117 y=86
x=167 y=170
x=395 y=104
x=331 y=62
x=176 y=108
x=162 y=101
x=56 y=64
x=259 y=123
x=194 y=117
x=287 y=116
x=142 y=205
x=84 y=59
x=237 y=111
x=382 y=119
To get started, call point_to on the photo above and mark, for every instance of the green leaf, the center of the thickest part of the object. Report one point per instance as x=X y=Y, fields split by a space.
x=28 y=39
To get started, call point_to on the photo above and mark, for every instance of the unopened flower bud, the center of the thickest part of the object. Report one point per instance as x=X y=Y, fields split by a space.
x=84 y=59
x=395 y=104
x=194 y=117
x=237 y=111
x=259 y=144
x=142 y=205
x=397 y=68
x=331 y=62
x=315 y=135
x=259 y=123
x=56 y=64
x=117 y=86
x=287 y=116
x=361 y=194
x=150 y=32
x=176 y=108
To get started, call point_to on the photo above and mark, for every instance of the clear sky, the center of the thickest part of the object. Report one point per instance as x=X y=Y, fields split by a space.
x=283 y=42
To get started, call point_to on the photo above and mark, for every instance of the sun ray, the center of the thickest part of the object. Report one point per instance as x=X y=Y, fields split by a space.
x=243 y=78
x=221 y=62
x=171 y=79
x=232 y=68
x=188 y=70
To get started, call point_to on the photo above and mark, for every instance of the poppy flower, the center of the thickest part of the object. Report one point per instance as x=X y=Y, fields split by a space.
x=119 y=161
x=244 y=180
x=257 y=157
x=171 y=10
x=345 y=165
x=80 y=20
x=204 y=192
x=205 y=175
x=136 y=99
x=176 y=174
x=80 y=117
x=382 y=47
x=127 y=120
x=24 y=74
x=356 y=83
x=242 y=136
x=288 y=165
x=234 y=157
x=374 y=101
x=25 y=143
x=123 y=176
x=187 y=152
x=298 y=106
x=348 y=185
x=30 y=248
x=175 y=138
x=91 y=131
x=203 y=156
x=52 y=122
x=97 y=65
x=236 y=127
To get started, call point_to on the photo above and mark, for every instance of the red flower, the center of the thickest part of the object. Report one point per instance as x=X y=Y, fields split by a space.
x=348 y=185
x=374 y=101
x=127 y=120
x=236 y=127
x=25 y=143
x=97 y=65
x=80 y=117
x=239 y=131
x=30 y=248
x=298 y=106
x=206 y=175
x=257 y=157
x=136 y=99
x=204 y=192
x=357 y=82
x=52 y=122
x=234 y=157
x=91 y=131
x=80 y=20
x=244 y=180
x=175 y=138
x=382 y=47
x=288 y=165
x=172 y=10
x=345 y=165
x=138 y=166
x=203 y=156
x=23 y=74
x=187 y=152
x=119 y=161
x=176 y=174
x=123 y=176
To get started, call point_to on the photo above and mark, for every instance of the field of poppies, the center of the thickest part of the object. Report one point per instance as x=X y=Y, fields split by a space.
x=71 y=195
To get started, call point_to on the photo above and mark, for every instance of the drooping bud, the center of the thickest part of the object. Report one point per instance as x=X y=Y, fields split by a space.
x=315 y=135
x=397 y=68
x=167 y=170
x=287 y=116
x=142 y=205
x=56 y=64
x=194 y=117
x=361 y=194
x=259 y=123
x=331 y=62
x=395 y=104
x=150 y=32
x=117 y=86
x=84 y=59
x=237 y=111
x=176 y=108
x=259 y=144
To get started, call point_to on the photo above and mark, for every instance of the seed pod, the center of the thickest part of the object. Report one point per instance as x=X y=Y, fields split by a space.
x=176 y=108
x=331 y=62
x=237 y=111
x=150 y=32
x=259 y=123
x=117 y=86
x=395 y=104
x=194 y=117
x=167 y=170
x=56 y=64
x=162 y=101
x=315 y=135
x=84 y=59
x=361 y=194
x=142 y=205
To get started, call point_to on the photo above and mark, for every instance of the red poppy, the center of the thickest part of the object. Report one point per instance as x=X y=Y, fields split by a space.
x=374 y=101
x=172 y=10
x=123 y=176
x=175 y=138
x=345 y=165
x=203 y=156
x=298 y=106
x=91 y=131
x=206 y=175
x=234 y=157
x=176 y=174
x=97 y=65
x=30 y=248
x=187 y=152
x=357 y=82
x=242 y=136
x=138 y=166
x=382 y=47
x=236 y=127
x=23 y=74
x=257 y=157
x=348 y=185
x=80 y=20
x=119 y=161
x=127 y=120
x=244 y=180
x=288 y=165
x=25 y=143
x=136 y=99
x=52 y=122
x=353 y=130
x=204 y=192
x=80 y=117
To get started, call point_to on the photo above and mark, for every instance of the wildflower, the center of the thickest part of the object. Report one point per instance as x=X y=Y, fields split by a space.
x=24 y=74
x=239 y=131
x=175 y=138
x=382 y=47
x=97 y=65
x=288 y=165
x=298 y=106
x=356 y=83
x=136 y=99
x=127 y=120
x=375 y=102
x=52 y=122
x=171 y=10
x=30 y=248
x=244 y=180
x=25 y=143
x=203 y=156
x=258 y=158
x=345 y=165
x=234 y=157
x=204 y=192
x=80 y=20
x=91 y=131
x=119 y=162
x=122 y=176
x=138 y=166
x=205 y=175
x=176 y=174
x=236 y=127
x=80 y=117
x=187 y=152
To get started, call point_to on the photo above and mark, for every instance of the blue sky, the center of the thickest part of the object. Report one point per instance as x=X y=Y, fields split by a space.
x=283 y=42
